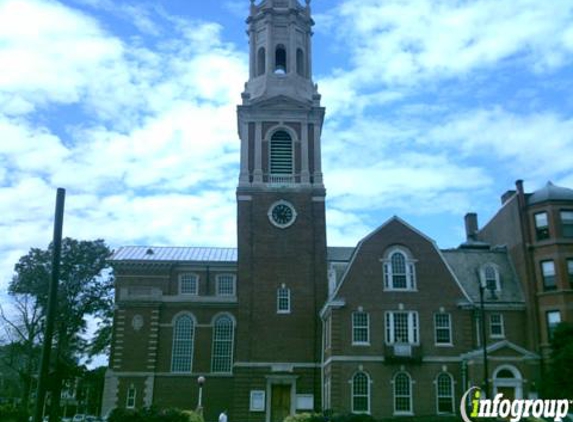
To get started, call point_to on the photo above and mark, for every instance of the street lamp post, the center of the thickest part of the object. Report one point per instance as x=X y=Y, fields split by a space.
x=482 y=286
x=200 y=382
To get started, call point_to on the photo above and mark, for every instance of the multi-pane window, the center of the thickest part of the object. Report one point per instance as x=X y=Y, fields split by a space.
x=189 y=284
x=443 y=325
x=570 y=271
x=283 y=300
x=553 y=320
x=281 y=152
x=399 y=272
x=491 y=277
x=225 y=285
x=548 y=275
x=541 y=226
x=402 y=327
x=183 y=337
x=567 y=223
x=496 y=325
x=402 y=393
x=130 y=401
x=360 y=328
x=222 y=356
x=445 y=393
x=360 y=393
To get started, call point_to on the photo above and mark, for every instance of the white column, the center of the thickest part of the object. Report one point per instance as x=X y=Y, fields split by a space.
x=304 y=169
x=258 y=173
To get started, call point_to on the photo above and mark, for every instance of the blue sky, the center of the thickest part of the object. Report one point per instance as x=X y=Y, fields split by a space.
x=434 y=109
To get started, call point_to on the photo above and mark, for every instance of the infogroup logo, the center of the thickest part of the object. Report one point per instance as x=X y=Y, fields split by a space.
x=515 y=409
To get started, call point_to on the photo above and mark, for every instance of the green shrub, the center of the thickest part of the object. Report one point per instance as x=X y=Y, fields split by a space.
x=9 y=413
x=152 y=414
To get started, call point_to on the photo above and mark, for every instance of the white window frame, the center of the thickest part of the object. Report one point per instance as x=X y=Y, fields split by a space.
x=196 y=290
x=257 y=401
x=355 y=327
x=566 y=217
x=233 y=278
x=499 y=323
x=413 y=328
x=546 y=274
x=449 y=328
x=485 y=278
x=367 y=395
x=410 y=395
x=231 y=340
x=410 y=268
x=283 y=293
x=451 y=396
x=550 y=325
x=130 y=397
x=174 y=344
x=541 y=227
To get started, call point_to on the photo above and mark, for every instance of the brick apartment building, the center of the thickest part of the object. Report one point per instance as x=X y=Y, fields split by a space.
x=285 y=324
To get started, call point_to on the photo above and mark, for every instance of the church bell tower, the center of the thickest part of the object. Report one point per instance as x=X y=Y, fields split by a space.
x=280 y=220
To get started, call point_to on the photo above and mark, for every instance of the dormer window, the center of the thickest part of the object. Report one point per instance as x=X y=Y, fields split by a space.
x=399 y=271
x=189 y=284
x=490 y=278
x=280 y=60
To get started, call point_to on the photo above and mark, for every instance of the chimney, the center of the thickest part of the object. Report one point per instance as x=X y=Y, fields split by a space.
x=471 y=220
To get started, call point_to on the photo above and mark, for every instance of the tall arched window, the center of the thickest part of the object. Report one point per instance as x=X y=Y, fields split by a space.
x=399 y=271
x=300 y=62
x=360 y=393
x=491 y=278
x=281 y=152
x=280 y=60
x=183 y=337
x=261 y=61
x=223 y=335
x=445 y=393
x=402 y=393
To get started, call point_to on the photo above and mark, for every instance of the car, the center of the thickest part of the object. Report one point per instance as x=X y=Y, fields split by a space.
x=79 y=417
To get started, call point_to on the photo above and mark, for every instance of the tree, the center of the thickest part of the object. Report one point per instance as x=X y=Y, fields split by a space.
x=561 y=363
x=84 y=291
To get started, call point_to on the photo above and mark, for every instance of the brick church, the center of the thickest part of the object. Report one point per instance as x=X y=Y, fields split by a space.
x=284 y=324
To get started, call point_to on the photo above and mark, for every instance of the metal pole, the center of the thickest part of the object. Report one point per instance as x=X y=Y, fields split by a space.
x=52 y=304
x=484 y=342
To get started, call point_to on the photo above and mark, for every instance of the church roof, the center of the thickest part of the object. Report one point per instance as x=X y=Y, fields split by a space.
x=550 y=192
x=199 y=254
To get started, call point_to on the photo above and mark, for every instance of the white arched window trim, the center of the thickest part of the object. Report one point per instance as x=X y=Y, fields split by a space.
x=183 y=342
x=488 y=272
x=440 y=395
x=360 y=392
x=402 y=279
x=515 y=382
x=406 y=405
x=223 y=343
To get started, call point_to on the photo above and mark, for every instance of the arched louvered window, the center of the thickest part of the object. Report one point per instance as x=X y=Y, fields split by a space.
x=223 y=336
x=183 y=338
x=360 y=393
x=300 y=62
x=402 y=393
x=280 y=60
x=281 y=152
x=445 y=393
x=261 y=61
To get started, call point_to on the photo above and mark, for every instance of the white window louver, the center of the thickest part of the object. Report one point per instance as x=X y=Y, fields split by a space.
x=281 y=153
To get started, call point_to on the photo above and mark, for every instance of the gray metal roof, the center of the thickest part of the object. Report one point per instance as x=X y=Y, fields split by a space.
x=466 y=264
x=199 y=254
x=171 y=253
x=550 y=192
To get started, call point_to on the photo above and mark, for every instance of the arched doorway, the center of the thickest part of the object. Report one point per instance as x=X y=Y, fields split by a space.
x=507 y=380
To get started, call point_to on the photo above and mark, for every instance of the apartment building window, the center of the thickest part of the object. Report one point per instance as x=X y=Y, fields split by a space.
x=189 y=284
x=402 y=327
x=226 y=285
x=360 y=393
x=222 y=354
x=567 y=223
x=183 y=338
x=399 y=271
x=553 y=320
x=496 y=328
x=541 y=226
x=445 y=393
x=360 y=328
x=131 y=394
x=548 y=275
x=283 y=300
x=570 y=271
x=443 y=329
x=402 y=393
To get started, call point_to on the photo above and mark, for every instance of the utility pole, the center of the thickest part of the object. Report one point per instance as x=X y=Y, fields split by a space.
x=52 y=305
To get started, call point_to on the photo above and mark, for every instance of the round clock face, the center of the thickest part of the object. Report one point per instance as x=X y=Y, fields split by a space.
x=282 y=214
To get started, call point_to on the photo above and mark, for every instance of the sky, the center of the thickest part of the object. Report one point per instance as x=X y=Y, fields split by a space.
x=434 y=108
